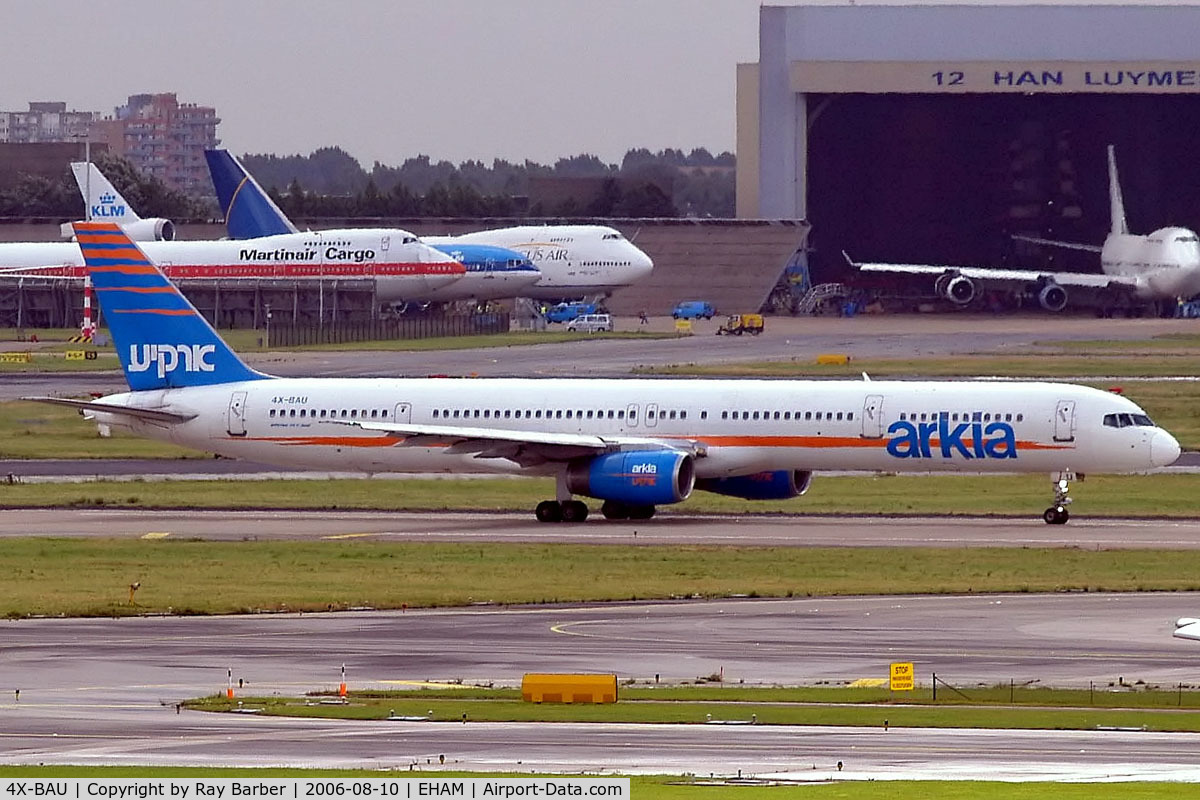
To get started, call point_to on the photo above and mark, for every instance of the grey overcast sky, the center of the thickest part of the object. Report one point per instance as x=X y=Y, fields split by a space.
x=390 y=79
x=386 y=80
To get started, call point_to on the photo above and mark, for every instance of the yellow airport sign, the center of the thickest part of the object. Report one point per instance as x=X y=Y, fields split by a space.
x=15 y=358
x=833 y=358
x=683 y=326
x=76 y=355
x=902 y=677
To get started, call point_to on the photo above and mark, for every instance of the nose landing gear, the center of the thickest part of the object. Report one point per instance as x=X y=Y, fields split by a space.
x=1057 y=514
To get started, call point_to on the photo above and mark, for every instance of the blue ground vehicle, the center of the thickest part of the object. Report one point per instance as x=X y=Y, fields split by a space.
x=693 y=309
x=565 y=312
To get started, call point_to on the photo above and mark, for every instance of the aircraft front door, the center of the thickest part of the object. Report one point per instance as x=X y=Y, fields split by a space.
x=237 y=414
x=1064 y=421
x=651 y=414
x=403 y=413
x=872 y=417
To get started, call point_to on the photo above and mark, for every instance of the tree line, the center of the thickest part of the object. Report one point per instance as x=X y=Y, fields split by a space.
x=330 y=182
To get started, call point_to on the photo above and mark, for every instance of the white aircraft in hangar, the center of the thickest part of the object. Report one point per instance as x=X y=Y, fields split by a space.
x=1163 y=266
x=400 y=265
x=632 y=443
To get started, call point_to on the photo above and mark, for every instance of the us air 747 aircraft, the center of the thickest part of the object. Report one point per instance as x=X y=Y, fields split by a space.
x=1164 y=265
x=633 y=444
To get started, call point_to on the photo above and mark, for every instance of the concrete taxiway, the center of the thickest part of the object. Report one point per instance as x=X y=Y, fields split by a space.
x=786 y=338
x=668 y=528
x=102 y=691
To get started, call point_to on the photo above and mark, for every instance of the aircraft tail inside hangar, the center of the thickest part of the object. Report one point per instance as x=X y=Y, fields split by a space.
x=932 y=134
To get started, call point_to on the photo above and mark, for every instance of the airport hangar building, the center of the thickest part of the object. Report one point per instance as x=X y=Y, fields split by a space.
x=925 y=134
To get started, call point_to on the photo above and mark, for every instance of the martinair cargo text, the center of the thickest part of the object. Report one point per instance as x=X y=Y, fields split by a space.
x=491 y=272
x=633 y=444
x=1162 y=266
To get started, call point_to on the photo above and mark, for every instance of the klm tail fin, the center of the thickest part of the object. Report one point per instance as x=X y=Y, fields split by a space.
x=162 y=340
x=104 y=202
x=249 y=211
x=1116 y=204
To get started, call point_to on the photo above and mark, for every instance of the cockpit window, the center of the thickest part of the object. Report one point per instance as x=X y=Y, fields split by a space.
x=1128 y=420
x=611 y=236
x=409 y=239
x=1186 y=239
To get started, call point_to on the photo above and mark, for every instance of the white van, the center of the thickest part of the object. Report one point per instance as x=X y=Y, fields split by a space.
x=591 y=323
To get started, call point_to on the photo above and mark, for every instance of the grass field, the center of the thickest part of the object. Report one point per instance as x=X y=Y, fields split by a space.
x=662 y=787
x=1159 y=495
x=89 y=577
x=642 y=707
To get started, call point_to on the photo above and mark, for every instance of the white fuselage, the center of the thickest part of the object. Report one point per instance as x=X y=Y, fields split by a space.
x=1166 y=263
x=742 y=426
x=402 y=267
x=575 y=260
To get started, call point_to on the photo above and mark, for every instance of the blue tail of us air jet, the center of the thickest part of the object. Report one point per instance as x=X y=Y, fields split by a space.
x=162 y=340
x=249 y=211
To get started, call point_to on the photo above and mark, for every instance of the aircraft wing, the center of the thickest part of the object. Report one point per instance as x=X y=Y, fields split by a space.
x=527 y=448
x=1089 y=248
x=994 y=275
x=152 y=414
x=1187 y=628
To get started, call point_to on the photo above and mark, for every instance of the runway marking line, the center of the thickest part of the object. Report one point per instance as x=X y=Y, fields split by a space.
x=351 y=535
x=427 y=684
x=157 y=535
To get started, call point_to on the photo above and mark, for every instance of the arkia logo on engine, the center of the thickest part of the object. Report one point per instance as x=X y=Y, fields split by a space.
x=968 y=440
x=169 y=357
x=644 y=474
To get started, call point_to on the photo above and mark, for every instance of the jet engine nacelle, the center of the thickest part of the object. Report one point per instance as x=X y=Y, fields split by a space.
x=957 y=288
x=634 y=477
x=779 y=485
x=1052 y=297
x=154 y=229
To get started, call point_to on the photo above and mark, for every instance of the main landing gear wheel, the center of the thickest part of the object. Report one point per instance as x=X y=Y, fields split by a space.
x=615 y=510
x=566 y=511
x=574 y=511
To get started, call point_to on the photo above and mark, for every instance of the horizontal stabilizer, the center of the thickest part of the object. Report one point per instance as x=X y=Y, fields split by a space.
x=152 y=414
x=1089 y=248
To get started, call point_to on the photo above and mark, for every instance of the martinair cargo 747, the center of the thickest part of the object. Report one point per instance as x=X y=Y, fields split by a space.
x=250 y=213
x=402 y=267
x=633 y=444
x=1164 y=265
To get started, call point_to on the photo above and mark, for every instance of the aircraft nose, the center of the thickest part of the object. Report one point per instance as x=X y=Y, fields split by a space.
x=642 y=264
x=1163 y=449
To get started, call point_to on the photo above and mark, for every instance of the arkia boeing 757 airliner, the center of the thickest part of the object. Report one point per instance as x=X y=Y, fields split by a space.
x=633 y=444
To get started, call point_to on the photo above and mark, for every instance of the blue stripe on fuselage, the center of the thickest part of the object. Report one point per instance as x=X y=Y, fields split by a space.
x=487 y=258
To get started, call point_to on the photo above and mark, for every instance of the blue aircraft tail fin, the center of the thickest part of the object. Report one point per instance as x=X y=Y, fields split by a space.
x=162 y=340
x=249 y=211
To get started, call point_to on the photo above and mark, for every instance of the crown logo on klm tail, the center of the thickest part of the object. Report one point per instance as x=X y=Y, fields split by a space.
x=107 y=199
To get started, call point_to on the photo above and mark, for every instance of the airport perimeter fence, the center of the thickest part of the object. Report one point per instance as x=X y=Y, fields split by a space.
x=384 y=329
x=1117 y=692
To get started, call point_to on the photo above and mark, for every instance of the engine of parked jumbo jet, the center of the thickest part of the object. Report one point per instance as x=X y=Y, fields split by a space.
x=154 y=229
x=781 y=484
x=957 y=288
x=1052 y=297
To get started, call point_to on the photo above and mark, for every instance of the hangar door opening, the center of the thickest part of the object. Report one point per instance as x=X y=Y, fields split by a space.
x=948 y=179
